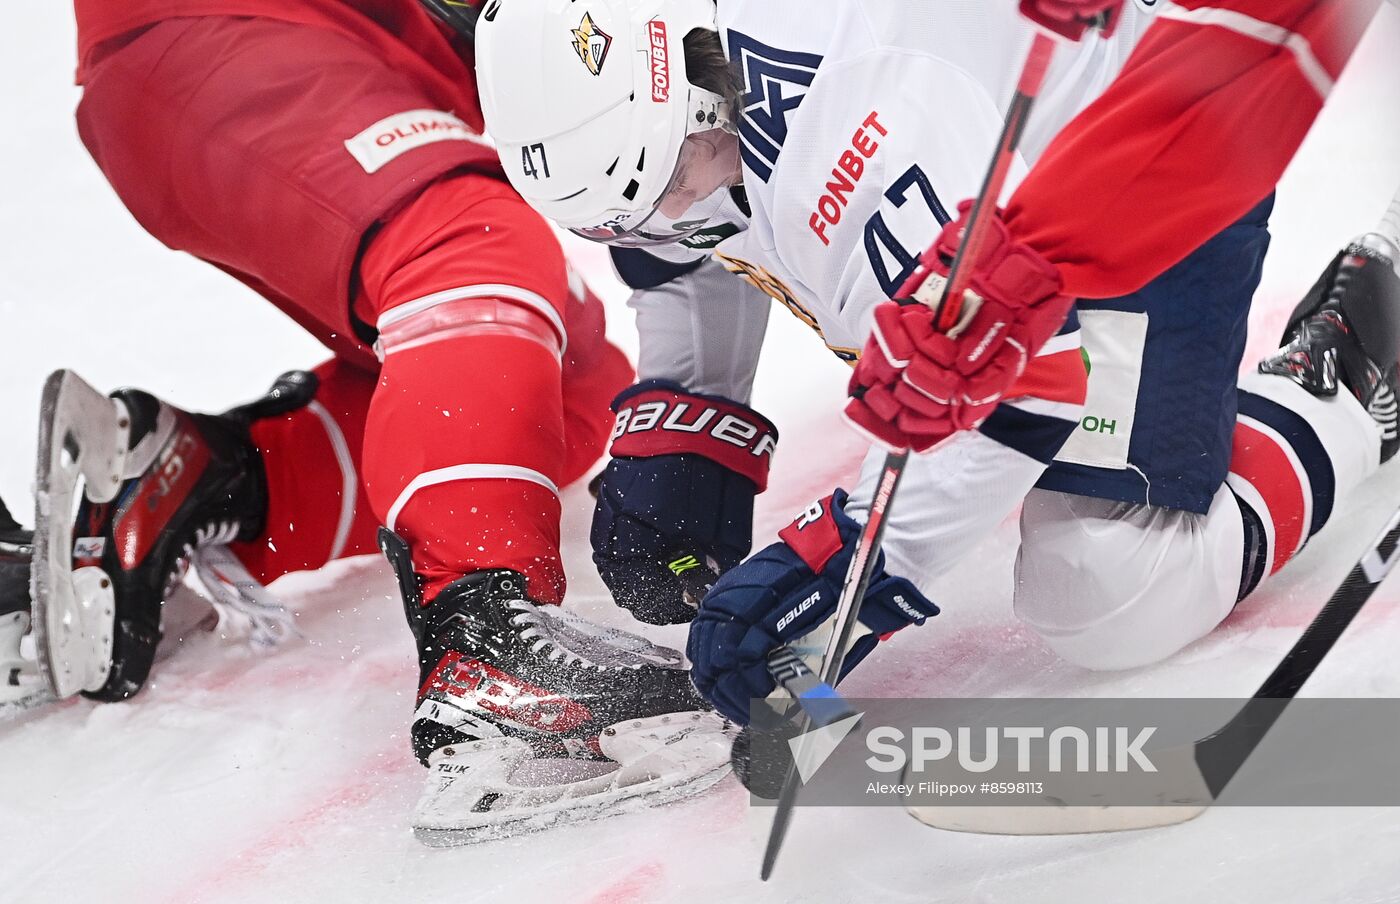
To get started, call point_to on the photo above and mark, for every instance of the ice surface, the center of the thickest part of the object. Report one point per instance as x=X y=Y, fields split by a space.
x=241 y=777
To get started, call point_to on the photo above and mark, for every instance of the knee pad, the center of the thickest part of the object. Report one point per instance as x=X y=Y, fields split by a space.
x=1113 y=585
x=466 y=257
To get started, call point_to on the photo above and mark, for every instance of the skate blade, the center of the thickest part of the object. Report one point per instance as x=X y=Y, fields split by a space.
x=82 y=438
x=12 y=706
x=581 y=811
x=472 y=796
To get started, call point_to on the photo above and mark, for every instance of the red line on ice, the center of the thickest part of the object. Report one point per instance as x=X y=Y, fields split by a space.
x=631 y=887
x=298 y=833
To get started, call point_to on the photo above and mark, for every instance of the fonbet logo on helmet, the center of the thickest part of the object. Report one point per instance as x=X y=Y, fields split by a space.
x=591 y=44
x=660 y=62
x=613 y=136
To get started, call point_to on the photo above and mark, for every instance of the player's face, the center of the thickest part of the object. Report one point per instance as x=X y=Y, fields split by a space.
x=708 y=161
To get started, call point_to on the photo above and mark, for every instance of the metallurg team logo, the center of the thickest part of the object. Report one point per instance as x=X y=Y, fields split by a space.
x=591 y=43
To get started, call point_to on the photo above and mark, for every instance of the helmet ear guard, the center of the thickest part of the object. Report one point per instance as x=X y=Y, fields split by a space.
x=590 y=129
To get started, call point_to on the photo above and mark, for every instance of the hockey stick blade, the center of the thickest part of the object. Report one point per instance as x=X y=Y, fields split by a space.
x=1203 y=769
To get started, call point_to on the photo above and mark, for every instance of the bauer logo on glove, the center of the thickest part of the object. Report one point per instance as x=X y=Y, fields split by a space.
x=675 y=504
x=785 y=593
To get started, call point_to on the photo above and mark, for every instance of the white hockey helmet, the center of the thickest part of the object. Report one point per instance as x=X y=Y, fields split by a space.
x=589 y=104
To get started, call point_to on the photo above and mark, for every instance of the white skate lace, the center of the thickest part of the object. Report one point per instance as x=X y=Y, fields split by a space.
x=536 y=627
x=214 y=533
x=575 y=641
x=245 y=608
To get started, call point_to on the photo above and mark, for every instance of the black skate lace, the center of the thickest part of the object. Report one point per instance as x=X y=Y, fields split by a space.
x=211 y=534
x=535 y=627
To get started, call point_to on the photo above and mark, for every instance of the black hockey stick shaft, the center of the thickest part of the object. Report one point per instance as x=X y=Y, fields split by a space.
x=1221 y=755
x=978 y=222
x=845 y=617
x=863 y=560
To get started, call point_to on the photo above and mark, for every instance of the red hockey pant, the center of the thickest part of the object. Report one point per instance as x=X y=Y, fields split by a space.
x=341 y=188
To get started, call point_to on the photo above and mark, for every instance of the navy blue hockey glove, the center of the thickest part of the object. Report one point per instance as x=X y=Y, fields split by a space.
x=784 y=592
x=676 y=501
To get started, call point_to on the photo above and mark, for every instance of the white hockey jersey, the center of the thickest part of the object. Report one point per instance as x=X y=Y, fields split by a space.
x=864 y=123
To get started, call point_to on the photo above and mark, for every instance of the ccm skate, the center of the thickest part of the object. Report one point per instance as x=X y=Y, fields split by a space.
x=128 y=489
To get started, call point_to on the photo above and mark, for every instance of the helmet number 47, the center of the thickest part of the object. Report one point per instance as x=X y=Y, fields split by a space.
x=527 y=161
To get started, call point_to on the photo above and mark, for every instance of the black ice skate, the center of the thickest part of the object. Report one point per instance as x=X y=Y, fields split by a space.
x=529 y=717
x=128 y=487
x=1346 y=332
x=20 y=684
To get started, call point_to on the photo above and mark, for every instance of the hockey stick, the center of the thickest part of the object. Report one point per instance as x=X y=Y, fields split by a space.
x=818 y=699
x=1213 y=761
x=863 y=560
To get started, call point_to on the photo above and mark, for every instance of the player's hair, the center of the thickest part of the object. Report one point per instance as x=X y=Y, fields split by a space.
x=707 y=67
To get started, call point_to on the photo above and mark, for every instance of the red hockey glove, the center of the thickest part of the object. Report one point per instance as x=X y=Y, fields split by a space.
x=1072 y=18
x=874 y=408
x=916 y=385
